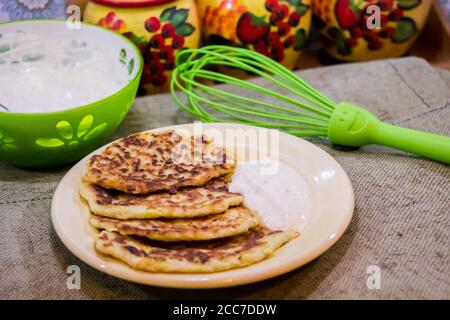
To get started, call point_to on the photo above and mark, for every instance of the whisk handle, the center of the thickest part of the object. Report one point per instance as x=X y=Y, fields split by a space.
x=351 y=125
x=424 y=144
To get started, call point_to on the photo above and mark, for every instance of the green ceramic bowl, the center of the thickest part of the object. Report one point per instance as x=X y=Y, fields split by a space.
x=53 y=139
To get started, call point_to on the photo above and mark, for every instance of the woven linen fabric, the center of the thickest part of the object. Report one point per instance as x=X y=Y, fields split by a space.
x=401 y=222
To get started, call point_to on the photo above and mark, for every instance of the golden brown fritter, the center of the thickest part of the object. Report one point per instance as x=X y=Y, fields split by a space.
x=148 y=162
x=232 y=222
x=188 y=202
x=193 y=257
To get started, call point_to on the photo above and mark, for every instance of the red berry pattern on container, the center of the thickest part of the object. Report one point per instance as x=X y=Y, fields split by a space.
x=222 y=20
x=167 y=36
x=352 y=17
x=271 y=38
x=170 y=30
x=152 y=24
x=112 y=21
x=270 y=34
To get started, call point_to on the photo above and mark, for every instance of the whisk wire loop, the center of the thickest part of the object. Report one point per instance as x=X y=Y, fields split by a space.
x=308 y=110
x=242 y=58
x=233 y=99
x=188 y=77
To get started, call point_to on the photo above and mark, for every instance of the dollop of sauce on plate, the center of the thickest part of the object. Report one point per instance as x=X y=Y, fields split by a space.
x=280 y=196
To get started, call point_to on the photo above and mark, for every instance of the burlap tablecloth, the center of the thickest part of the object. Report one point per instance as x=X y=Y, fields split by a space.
x=400 y=224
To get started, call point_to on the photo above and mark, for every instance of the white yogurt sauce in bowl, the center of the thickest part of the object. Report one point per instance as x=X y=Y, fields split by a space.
x=41 y=73
x=283 y=200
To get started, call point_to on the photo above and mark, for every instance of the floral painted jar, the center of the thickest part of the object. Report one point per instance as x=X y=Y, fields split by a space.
x=160 y=29
x=351 y=31
x=275 y=28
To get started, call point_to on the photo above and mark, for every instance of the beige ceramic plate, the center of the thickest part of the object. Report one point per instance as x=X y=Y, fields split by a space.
x=330 y=189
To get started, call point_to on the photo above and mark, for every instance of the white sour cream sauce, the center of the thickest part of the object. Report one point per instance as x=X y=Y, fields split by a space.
x=283 y=200
x=40 y=74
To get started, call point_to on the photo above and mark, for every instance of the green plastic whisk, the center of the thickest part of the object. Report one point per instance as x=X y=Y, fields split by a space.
x=288 y=103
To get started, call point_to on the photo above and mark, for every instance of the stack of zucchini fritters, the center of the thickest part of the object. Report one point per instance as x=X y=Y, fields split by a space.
x=162 y=203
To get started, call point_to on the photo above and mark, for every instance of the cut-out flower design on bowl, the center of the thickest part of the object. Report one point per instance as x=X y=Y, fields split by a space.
x=67 y=136
x=6 y=143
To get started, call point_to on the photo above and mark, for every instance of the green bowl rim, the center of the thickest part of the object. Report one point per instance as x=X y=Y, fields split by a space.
x=89 y=105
